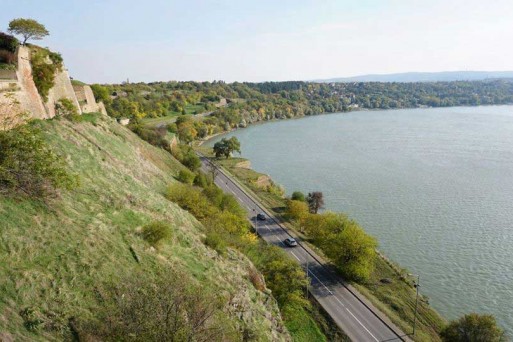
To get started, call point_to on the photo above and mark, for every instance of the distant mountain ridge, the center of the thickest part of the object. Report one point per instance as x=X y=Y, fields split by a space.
x=444 y=76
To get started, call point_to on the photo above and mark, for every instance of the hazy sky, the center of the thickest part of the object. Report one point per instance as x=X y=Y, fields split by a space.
x=236 y=40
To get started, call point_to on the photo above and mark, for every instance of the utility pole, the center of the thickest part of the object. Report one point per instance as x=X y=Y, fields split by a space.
x=256 y=221
x=307 y=278
x=417 y=285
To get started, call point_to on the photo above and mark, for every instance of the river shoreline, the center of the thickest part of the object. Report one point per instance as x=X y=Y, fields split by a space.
x=397 y=184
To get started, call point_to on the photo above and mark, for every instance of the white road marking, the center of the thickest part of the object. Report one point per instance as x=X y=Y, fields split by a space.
x=310 y=272
x=295 y=256
x=363 y=326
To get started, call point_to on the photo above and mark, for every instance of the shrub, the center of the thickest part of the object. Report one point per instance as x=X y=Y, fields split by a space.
x=44 y=73
x=169 y=308
x=215 y=241
x=7 y=57
x=256 y=279
x=65 y=107
x=8 y=42
x=28 y=166
x=473 y=327
x=155 y=232
x=298 y=196
x=186 y=176
x=201 y=180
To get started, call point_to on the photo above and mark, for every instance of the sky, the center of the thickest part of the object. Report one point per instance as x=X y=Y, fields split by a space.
x=110 y=41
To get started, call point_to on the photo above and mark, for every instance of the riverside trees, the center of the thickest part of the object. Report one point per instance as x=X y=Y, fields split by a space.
x=226 y=147
x=342 y=240
x=473 y=327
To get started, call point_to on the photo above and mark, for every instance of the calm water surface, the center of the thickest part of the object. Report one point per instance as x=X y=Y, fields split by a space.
x=435 y=186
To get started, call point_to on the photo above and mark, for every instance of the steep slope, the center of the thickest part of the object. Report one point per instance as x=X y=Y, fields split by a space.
x=54 y=256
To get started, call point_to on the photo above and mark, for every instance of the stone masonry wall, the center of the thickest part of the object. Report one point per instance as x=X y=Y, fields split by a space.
x=87 y=101
x=28 y=95
x=61 y=89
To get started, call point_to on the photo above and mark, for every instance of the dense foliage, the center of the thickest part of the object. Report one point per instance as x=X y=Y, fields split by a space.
x=226 y=225
x=28 y=29
x=28 y=166
x=251 y=102
x=473 y=328
x=8 y=45
x=226 y=147
x=342 y=240
x=43 y=72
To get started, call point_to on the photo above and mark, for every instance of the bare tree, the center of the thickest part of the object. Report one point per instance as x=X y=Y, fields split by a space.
x=315 y=201
x=213 y=170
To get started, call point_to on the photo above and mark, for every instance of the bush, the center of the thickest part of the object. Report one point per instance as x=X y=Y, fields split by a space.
x=65 y=107
x=7 y=57
x=473 y=327
x=201 y=180
x=186 y=176
x=298 y=196
x=216 y=242
x=155 y=232
x=44 y=73
x=8 y=42
x=168 y=308
x=28 y=166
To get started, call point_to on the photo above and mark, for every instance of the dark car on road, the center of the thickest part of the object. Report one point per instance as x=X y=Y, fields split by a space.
x=261 y=217
x=290 y=242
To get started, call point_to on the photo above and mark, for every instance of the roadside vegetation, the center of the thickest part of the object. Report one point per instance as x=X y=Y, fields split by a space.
x=351 y=251
x=226 y=227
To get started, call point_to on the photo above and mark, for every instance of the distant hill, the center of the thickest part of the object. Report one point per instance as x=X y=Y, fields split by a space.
x=425 y=76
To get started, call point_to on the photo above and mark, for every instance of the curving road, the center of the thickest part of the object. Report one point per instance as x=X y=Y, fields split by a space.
x=359 y=319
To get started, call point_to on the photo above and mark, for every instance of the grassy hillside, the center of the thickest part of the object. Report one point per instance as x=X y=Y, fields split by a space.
x=55 y=257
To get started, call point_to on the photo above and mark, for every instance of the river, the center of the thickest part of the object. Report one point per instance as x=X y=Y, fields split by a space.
x=435 y=186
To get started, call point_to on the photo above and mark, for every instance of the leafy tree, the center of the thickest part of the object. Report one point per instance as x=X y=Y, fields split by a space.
x=298 y=196
x=315 y=201
x=226 y=147
x=473 y=328
x=28 y=166
x=101 y=93
x=28 y=29
x=298 y=211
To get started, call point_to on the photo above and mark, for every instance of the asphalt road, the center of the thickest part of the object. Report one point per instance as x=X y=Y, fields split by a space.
x=350 y=310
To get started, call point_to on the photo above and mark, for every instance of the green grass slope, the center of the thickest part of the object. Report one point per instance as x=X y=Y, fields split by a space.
x=54 y=256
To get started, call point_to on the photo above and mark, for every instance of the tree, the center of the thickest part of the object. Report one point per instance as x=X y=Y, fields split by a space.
x=315 y=201
x=28 y=29
x=213 y=170
x=226 y=147
x=298 y=211
x=473 y=328
x=298 y=196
